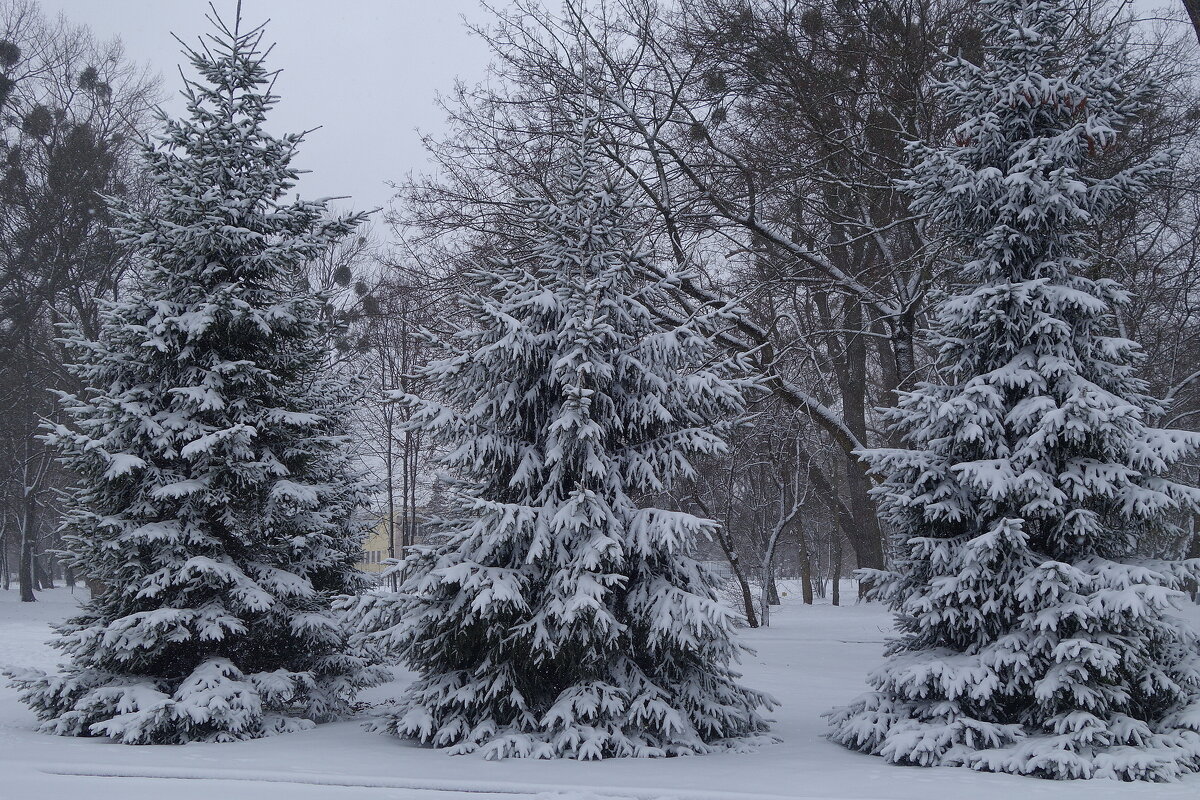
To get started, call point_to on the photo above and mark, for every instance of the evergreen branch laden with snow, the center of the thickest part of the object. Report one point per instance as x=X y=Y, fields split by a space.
x=219 y=503
x=562 y=612
x=1032 y=640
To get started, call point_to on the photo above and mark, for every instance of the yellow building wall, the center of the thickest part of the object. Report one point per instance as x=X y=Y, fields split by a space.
x=375 y=549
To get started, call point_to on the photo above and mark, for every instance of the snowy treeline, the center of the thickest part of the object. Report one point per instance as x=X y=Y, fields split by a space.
x=783 y=202
x=71 y=111
x=800 y=286
x=763 y=142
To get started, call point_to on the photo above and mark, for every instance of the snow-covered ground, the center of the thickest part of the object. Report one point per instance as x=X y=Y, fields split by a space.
x=810 y=658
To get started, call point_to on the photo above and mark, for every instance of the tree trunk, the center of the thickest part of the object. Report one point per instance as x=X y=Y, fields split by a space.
x=389 y=464
x=820 y=562
x=764 y=608
x=854 y=517
x=1193 y=10
x=33 y=473
x=27 y=566
x=868 y=544
x=25 y=575
x=5 y=567
x=43 y=572
x=735 y=563
x=739 y=575
x=848 y=355
x=837 y=573
x=902 y=346
x=413 y=446
x=806 y=576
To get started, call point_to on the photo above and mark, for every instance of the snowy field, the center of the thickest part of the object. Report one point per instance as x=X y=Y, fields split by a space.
x=811 y=658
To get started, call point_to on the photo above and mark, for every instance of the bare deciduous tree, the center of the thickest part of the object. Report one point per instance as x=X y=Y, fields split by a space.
x=72 y=110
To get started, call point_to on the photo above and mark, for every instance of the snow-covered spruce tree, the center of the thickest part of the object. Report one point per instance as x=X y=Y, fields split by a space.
x=562 y=613
x=218 y=503
x=1032 y=640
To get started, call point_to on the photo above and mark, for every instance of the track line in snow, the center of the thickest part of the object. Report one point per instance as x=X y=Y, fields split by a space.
x=433 y=785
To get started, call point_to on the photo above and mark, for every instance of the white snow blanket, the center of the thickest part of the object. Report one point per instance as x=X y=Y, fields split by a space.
x=811 y=659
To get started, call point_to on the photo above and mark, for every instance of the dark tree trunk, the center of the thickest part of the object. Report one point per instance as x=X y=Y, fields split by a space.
x=739 y=575
x=5 y=567
x=806 y=576
x=1193 y=10
x=902 y=347
x=43 y=572
x=25 y=566
x=837 y=573
x=735 y=564
x=849 y=358
x=868 y=543
x=854 y=517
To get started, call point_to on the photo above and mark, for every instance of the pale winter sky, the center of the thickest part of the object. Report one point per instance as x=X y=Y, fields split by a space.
x=366 y=71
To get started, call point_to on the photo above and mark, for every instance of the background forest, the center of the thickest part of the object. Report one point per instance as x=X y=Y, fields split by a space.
x=763 y=142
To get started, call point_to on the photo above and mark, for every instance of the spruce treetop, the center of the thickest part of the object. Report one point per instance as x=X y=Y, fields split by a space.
x=223 y=179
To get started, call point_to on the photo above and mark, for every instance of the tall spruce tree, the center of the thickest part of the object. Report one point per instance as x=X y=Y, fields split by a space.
x=562 y=613
x=218 y=503
x=1032 y=639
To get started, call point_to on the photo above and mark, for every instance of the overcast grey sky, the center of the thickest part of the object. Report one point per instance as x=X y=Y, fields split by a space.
x=366 y=71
